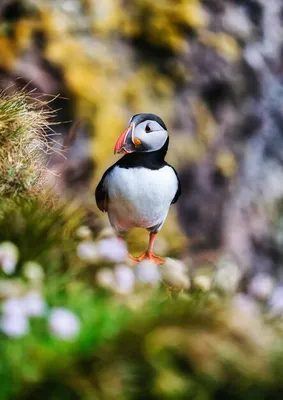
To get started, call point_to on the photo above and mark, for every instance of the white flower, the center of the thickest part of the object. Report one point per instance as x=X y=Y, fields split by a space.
x=83 y=232
x=276 y=301
x=112 y=249
x=125 y=279
x=14 y=306
x=33 y=271
x=87 y=251
x=30 y=305
x=64 y=323
x=148 y=272
x=228 y=276
x=107 y=232
x=175 y=273
x=14 y=325
x=261 y=286
x=16 y=310
x=202 y=282
x=9 y=255
x=34 y=305
x=14 y=321
x=105 y=278
x=121 y=280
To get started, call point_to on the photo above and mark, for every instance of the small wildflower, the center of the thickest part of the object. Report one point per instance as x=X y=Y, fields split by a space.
x=202 y=282
x=175 y=274
x=84 y=233
x=107 y=232
x=125 y=279
x=14 y=321
x=34 y=305
x=9 y=255
x=261 y=286
x=64 y=324
x=112 y=249
x=87 y=251
x=148 y=272
x=33 y=271
x=228 y=276
x=14 y=325
x=105 y=278
x=13 y=306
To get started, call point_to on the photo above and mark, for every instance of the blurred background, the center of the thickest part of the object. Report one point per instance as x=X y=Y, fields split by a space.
x=184 y=60
x=204 y=66
x=212 y=70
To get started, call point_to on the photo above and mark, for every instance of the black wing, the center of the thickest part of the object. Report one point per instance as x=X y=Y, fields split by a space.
x=101 y=192
x=179 y=191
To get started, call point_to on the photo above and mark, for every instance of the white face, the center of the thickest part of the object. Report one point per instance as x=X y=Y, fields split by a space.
x=151 y=135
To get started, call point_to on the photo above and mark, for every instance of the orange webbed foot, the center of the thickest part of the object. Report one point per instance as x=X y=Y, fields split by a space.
x=148 y=255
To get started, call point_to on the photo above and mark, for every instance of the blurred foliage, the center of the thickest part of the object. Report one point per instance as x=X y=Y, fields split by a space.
x=28 y=221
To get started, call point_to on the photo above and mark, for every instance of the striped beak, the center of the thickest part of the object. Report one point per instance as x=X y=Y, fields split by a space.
x=125 y=143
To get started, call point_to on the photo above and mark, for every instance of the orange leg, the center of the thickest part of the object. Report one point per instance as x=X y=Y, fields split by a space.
x=148 y=254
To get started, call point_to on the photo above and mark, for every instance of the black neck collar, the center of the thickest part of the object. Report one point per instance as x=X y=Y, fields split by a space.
x=150 y=160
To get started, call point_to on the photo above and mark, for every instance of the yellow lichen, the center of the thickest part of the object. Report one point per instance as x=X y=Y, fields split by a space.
x=23 y=33
x=225 y=44
x=7 y=53
x=206 y=125
x=226 y=162
x=163 y=22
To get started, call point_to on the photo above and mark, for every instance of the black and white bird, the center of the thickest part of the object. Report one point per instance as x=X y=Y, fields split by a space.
x=139 y=188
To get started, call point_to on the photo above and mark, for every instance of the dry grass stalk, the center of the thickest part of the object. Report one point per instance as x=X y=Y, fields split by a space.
x=24 y=124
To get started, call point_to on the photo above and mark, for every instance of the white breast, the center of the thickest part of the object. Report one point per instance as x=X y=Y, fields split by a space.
x=139 y=197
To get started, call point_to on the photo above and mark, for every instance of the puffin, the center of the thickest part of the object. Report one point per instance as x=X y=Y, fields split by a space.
x=139 y=188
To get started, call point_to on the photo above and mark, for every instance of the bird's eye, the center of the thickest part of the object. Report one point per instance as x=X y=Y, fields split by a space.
x=147 y=128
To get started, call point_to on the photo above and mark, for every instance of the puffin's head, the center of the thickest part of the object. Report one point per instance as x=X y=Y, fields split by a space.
x=145 y=133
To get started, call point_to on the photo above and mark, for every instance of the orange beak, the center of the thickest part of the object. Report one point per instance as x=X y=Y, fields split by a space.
x=125 y=143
